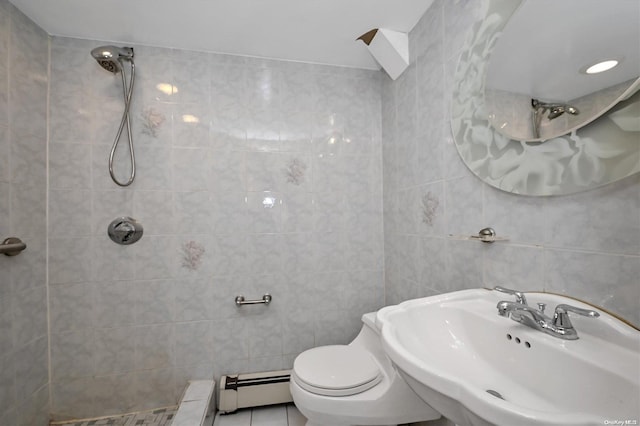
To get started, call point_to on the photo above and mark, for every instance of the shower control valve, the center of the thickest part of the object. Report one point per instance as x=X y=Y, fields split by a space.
x=125 y=230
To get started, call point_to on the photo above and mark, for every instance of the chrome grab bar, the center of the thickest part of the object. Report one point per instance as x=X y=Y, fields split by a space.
x=12 y=246
x=266 y=299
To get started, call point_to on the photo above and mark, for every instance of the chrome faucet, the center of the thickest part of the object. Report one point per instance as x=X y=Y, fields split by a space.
x=520 y=298
x=559 y=326
x=561 y=317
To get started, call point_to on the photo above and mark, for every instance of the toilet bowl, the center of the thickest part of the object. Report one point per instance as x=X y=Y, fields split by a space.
x=354 y=385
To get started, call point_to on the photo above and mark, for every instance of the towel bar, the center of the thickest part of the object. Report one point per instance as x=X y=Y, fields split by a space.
x=266 y=299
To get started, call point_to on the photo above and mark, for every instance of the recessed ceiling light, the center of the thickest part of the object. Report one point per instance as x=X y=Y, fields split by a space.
x=601 y=66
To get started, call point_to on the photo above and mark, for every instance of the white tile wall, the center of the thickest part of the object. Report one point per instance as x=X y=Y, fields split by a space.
x=24 y=366
x=586 y=245
x=279 y=183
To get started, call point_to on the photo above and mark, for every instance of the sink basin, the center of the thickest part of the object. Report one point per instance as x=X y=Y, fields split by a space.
x=478 y=368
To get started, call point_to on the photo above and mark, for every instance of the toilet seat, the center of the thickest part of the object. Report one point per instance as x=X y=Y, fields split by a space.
x=336 y=370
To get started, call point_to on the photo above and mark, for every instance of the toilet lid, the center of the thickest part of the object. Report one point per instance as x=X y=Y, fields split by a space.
x=336 y=370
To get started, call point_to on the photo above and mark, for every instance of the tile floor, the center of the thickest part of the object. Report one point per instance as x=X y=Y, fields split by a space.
x=285 y=415
x=159 y=417
x=276 y=415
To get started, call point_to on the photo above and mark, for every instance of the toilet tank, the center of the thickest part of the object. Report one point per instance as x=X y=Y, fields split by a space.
x=369 y=320
x=369 y=338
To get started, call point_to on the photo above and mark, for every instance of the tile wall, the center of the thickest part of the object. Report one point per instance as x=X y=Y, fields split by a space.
x=586 y=245
x=24 y=374
x=253 y=176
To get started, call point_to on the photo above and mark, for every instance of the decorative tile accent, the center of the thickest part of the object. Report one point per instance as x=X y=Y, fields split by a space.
x=192 y=255
x=158 y=417
x=152 y=120
x=295 y=171
x=430 y=204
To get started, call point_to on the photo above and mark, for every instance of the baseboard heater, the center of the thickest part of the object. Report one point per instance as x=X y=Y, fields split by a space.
x=253 y=390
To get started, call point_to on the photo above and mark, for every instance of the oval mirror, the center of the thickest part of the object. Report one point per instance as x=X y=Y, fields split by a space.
x=596 y=144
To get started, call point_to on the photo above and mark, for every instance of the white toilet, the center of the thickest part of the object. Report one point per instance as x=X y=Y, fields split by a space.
x=354 y=385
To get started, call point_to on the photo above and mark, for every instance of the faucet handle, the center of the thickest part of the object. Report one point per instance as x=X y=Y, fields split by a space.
x=520 y=298
x=561 y=316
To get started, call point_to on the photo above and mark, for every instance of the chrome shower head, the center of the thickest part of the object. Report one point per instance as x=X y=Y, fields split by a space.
x=109 y=57
x=555 y=109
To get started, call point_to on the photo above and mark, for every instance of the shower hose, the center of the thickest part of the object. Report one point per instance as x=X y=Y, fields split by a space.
x=127 y=91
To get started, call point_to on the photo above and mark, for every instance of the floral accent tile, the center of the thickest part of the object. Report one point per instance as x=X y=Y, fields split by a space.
x=152 y=120
x=192 y=253
x=430 y=204
x=295 y=171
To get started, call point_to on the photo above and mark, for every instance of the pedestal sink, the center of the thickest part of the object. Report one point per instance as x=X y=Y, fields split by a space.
x=478 y=368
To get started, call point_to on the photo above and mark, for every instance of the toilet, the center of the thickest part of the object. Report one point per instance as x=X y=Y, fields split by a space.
x=354 y=385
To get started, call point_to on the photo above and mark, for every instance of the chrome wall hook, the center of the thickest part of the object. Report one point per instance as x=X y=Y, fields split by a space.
x=12 y=246
x=487 y=235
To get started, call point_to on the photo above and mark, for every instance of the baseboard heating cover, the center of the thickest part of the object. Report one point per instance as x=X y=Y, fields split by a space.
x=253 y=390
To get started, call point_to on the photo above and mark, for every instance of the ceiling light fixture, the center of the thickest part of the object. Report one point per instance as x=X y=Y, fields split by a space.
x=601 y=66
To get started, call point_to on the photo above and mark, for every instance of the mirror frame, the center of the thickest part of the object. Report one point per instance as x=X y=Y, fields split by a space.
x=594 y=155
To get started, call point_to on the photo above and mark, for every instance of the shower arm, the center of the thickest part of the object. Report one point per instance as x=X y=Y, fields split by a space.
x=125 y=118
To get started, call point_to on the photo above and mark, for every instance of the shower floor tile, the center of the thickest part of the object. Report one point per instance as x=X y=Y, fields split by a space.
x=159 y=417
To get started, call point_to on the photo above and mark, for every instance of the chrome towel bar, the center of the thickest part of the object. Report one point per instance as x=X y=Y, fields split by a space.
x=12 y=246
x=266 y=299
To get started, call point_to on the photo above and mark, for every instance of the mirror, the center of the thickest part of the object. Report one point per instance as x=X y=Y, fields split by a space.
x=572 y=152
x=541 y=83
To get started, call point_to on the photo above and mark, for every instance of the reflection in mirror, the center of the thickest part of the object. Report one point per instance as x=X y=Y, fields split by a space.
x=541 y=83
x=605 y=150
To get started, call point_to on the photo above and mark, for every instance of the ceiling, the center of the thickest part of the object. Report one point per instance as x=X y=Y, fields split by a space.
x=316 y=31
x=547 y=44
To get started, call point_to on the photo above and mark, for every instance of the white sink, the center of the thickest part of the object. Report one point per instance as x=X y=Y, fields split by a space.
x=453 y=348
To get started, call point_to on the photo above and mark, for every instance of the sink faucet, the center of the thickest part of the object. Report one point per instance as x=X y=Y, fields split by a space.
x=559 y=326
x=520 y=298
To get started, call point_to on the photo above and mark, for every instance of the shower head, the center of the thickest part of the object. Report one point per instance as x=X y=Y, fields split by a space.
x=555 y=109
x=109 y=57
x=112 y=59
